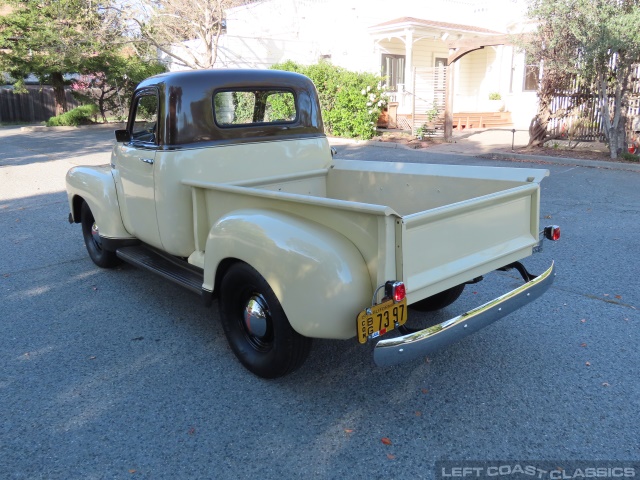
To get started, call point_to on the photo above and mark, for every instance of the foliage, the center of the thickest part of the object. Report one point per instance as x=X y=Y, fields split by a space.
x=432 y=114
x=280 y=107
x=351 y=102
x=427 y=130
x=591 y=43
x=112 y=80
x=50 y=38
x=495 y=96
x=82 y=115
x=629 y=157
x=188 y=31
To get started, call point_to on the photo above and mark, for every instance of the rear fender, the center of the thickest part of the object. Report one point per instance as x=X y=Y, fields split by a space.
x=95 y=185
x=318 y=275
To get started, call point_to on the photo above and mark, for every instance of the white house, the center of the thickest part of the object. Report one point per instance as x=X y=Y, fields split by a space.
x=405 y=41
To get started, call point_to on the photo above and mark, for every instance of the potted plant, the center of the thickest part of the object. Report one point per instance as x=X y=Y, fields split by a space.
x=495 y=102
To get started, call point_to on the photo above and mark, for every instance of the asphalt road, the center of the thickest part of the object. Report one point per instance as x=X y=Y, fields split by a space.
x=118 y=374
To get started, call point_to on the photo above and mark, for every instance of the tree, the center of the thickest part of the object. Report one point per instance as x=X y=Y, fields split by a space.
x=110 y=79
x=50 y=38
x=186 y=30
x=594 y=43
x=553 y=46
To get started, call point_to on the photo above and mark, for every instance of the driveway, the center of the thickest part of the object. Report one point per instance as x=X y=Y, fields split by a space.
x=119 y=374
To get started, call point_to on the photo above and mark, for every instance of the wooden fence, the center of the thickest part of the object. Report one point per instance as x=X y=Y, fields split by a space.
x=584 y=121
x=35 y=106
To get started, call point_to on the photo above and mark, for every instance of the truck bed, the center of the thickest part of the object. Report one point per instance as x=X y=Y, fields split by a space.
x=432 y=226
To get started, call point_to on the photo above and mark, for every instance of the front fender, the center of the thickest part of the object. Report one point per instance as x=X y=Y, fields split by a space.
x=96 y=186
x=318 y=275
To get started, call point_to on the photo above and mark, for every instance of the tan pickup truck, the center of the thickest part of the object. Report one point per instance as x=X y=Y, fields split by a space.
x=224 y=182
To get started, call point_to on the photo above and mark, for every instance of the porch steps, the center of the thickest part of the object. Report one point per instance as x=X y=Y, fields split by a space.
x=466 y=120
x=461 y=121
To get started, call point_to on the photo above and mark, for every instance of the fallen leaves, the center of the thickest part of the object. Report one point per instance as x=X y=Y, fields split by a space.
x=619 y=297
x=386 y=441
x=425 y=391
x=348 y=430
x=583 y=344
x=192 y=431
x=418 y=413
x=391 y=456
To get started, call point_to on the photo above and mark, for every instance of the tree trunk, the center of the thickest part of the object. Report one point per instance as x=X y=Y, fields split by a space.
x=57 y=81
x=538 y=130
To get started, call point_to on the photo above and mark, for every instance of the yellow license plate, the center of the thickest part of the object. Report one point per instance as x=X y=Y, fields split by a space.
x=382 y=318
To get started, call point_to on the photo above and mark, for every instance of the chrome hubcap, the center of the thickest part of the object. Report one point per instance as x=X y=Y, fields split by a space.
x=256 y=314
x=95 y=234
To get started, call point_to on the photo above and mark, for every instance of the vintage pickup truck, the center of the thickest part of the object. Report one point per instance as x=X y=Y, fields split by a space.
x=224 y=182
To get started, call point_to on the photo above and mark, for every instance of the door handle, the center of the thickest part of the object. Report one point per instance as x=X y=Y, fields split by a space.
x=147 y=160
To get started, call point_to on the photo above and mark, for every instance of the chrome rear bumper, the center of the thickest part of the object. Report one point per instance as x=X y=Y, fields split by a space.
x=424 y=342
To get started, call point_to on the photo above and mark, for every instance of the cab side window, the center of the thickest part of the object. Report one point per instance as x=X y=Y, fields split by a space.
x=146 y=119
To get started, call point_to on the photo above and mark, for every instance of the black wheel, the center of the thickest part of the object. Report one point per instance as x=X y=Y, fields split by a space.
x=439 y=300
x=101 y=257
x=256 y=326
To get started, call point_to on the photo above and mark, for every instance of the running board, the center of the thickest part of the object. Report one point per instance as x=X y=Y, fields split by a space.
x=176 y=270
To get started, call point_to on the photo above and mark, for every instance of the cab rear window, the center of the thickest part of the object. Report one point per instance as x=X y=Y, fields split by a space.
x=249 y=107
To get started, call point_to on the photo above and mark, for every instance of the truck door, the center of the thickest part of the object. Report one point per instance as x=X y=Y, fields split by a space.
x=134 y=169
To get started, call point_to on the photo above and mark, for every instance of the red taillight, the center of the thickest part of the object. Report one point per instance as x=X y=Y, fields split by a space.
x=395 y=290
x=552 y=232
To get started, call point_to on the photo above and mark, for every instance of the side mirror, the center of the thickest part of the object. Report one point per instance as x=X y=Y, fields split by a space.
x=122 y=136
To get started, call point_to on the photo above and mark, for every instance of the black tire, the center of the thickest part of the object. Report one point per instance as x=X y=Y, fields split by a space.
x=101 y=257
x=439 y=300
x=269 y=348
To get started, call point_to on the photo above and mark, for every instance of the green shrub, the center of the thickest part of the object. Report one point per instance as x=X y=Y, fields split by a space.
x=629 y=157
x=350 y=102
x=82 y=115
x=495 y=96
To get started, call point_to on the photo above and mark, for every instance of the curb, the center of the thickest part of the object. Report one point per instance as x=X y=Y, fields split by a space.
x=518 y=157
x=563 y=161
x=43 y=128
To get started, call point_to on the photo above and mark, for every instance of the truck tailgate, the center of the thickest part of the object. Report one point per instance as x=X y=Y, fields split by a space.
x=445 y=246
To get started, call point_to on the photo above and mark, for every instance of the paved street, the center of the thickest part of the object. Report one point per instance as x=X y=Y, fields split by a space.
x=118 y=374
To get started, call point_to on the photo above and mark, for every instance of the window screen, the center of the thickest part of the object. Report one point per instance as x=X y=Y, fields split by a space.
x=247 y=107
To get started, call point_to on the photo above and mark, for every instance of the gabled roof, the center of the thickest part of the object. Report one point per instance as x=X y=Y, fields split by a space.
x=418 y=22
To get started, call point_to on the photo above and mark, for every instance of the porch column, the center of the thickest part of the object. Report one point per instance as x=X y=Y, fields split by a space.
x=448 y=100
x=408 y=60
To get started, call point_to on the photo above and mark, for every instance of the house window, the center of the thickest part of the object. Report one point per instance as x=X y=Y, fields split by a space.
x=531 y=74
x=393 y=70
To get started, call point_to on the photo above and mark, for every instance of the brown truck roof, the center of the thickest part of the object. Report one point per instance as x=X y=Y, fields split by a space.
x=186 y=106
